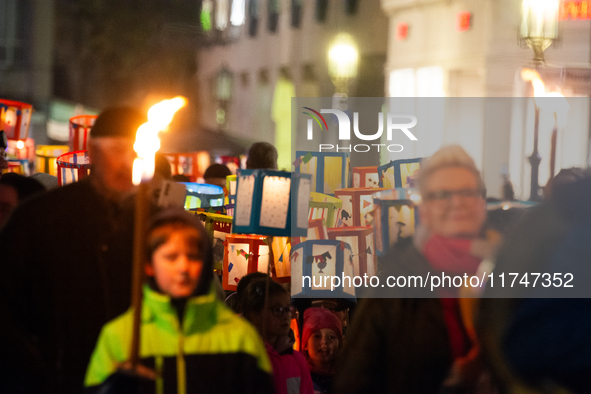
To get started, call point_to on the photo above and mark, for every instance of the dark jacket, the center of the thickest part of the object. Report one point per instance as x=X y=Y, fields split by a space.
x=65 y=271
x=396 y=345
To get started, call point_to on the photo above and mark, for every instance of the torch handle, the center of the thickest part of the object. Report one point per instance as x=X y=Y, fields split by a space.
x=141 y=213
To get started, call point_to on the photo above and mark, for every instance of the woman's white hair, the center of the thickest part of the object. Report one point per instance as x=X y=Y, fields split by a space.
x=448 y=156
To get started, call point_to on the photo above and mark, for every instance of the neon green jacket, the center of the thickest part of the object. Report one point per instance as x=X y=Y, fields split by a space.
x=215 y=352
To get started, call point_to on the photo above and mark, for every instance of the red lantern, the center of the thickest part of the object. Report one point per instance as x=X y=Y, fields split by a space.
x=15 y=118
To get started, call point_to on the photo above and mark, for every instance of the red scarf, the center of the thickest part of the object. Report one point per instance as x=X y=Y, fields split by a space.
x=450 y=255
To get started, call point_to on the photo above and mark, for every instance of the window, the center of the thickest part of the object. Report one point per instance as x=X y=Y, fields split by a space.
x=253 y=18
x=12 y=32
x=321 y=8
x=296 y=13
x=238 y=11
x=351 y=7
x=273 y=11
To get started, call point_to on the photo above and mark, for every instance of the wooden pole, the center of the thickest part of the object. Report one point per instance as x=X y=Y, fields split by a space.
x=139 y=259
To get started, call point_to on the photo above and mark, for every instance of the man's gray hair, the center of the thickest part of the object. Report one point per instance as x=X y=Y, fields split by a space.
x=448 y=156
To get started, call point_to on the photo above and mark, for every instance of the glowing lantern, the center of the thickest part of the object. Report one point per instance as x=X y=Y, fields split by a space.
x=362 y=247
x=202 y=195
x=231 y=187
x=15 y=118
x=325 y=207
x=394 y=219
x=46 y=156
x=191 y=164
x=243 y=254
x=314 y=263
x=365 y=176
x=79 y=129
x=21 y=149
x=218 y=226
x=357 y=206
x=317 y=229
x=329 y=170
x=399 y=173
x=271 y=203
x=17 y=166
x=72 y=167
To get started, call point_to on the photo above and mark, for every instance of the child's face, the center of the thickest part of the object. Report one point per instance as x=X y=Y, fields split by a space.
x=278 y=315
x=177 y=264
x=323 y=346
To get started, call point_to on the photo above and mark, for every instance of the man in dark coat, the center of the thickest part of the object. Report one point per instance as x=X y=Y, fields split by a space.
x=66 y=265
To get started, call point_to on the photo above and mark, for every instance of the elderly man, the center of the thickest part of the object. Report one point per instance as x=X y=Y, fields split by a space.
x=419 y=345
x=66 y=265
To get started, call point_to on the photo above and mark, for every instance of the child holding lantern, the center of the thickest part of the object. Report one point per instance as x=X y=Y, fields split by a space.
x=190 y=339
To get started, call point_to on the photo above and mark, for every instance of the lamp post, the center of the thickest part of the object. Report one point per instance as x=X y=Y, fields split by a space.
x=223 y=94
x=343 y=62
x=539 y=28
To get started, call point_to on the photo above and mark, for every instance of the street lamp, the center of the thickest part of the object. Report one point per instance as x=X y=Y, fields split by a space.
x=343 y=61
x=539 y=25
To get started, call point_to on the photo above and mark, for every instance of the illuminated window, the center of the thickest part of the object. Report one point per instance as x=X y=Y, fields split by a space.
x=422 y=82
x=206 y=10
x=221 y=14
x=238 y=12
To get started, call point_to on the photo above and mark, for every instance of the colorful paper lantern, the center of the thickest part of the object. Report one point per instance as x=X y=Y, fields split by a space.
x=21 y=149
x=394 y=219
x=17 y=166
x=45 y=158
x=243 y=254
x=357 y=206
x=399 y=173
x=231 y=187
x=313 y=265
x=362 y=247
x=325 y=207
x=72 y=166
x=365 y=176
x=230 y=210
x=79 y=129
x=271 y=202
x=281 y=268
x=329 y=170
x=203 y=195
x=191 y=164
x=317 y=229
x=15 y=118
x=218 y=227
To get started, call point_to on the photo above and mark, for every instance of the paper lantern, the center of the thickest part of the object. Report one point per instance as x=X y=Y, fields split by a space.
x=325 y=207
x=231 y=187
x=281 y=268
x=218 y=227
x=79 y=129
x=46 y=155
x=72 y=166
x=17 y=166
x=271 y=202
x=329 y=170
x=233 y=163
x=399 y=173
x=394 y=219
x=365 y=176
x=317 y=229
x=191 y=164
x=15 y=118
x=203 y=195
x=357 y=206
x=362 y=247
x=243 y=254
x=230 y=209
x=21 y=149
x=314 y=263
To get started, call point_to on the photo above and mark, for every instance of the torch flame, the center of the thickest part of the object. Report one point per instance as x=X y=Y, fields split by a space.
x=549 y=101
x=147 y=142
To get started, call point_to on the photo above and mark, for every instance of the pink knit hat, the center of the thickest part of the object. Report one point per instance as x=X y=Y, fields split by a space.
x=318 y=318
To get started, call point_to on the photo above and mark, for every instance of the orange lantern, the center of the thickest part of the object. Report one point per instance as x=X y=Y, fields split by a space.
x=365 y=176
x=79 y=129
x=72 y=166
x=15 y=118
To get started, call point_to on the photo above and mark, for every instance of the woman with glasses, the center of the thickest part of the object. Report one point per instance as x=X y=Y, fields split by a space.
x=272 y=318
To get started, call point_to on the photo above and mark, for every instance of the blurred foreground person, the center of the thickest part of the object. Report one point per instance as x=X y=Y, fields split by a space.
x=15 y=188
x=272 y=319
x=220 y=353
x=66 y=264
x=321 y=341
x=424 y=345
x=536 y=337
x=262 y=155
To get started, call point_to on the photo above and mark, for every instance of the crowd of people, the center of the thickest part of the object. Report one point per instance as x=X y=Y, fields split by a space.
x=65 y=294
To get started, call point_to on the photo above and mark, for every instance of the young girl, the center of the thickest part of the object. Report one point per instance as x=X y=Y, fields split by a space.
x=188 y=337
x=273 y=323
x=321 y=340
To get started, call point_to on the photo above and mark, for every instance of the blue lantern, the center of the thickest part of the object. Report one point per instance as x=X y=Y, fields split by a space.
x=203 y=195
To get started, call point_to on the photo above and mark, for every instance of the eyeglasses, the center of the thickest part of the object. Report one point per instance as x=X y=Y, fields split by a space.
x=446 y=195
x=279 y=311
